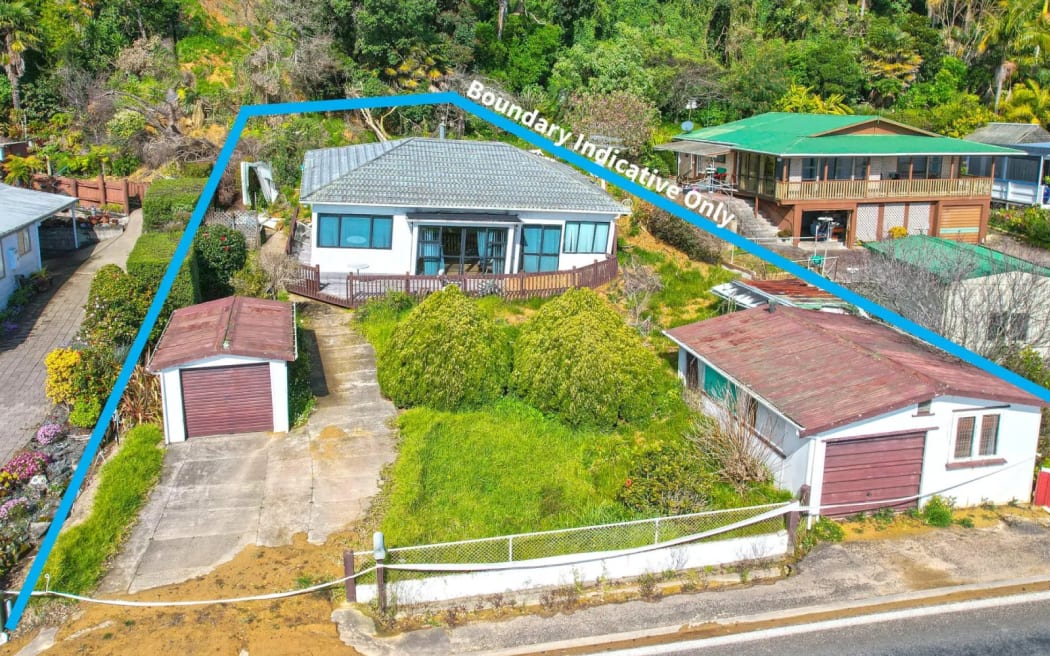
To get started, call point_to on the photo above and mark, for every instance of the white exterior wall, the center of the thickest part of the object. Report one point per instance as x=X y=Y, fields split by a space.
x=401 y=257
x=14 y=265
x=171 y=393
x=971 y=303
x=1018 y=437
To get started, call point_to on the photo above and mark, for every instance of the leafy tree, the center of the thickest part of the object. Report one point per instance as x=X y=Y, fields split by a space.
x=221 y=252
x=1028 y=103
x=444 y=355
x=17 y=35
x=802 y=100
x=620 y=115
x=577 y=359
x=388 y=27
x=890 y=60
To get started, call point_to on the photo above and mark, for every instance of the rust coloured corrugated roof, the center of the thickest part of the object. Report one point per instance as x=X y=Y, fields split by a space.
x=826 y=370
x=791 y=288
x=234 y=325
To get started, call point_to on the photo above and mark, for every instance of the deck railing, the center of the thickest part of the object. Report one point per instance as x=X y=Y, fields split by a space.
x=352 y=290
x=857 y=189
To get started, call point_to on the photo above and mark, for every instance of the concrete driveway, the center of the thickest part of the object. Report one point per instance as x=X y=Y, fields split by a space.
x=218 y=495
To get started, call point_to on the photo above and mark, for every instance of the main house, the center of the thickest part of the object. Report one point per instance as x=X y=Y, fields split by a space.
x=1017 y=179
x=428 y=207
x=865 y=173
x=857 y=416
x=978 y=297
x=21 y=212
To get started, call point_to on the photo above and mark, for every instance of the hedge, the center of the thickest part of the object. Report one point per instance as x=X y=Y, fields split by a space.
x=221 y=252
x=168 y=204
x=115 y=308
x=577 y=359
x=125 y=481
x=445 y=355
x=147 y=263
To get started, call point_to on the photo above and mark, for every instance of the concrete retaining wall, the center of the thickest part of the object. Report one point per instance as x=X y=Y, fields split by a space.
x=57 y=239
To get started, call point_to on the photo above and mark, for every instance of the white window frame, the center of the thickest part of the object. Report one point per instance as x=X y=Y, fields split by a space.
x=975 y=444
x=25 y=242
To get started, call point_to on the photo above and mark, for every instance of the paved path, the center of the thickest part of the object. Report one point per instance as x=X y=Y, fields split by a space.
x=218 y=495
x=22 y=399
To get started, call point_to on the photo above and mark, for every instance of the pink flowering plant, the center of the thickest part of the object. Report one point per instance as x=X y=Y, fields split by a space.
x=13 y=508
x=49 y=433
x=26 y=465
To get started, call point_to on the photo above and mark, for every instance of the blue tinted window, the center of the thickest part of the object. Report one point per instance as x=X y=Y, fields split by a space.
x=586 y=237
x=328 y=231
x=381 y=232
x=354 y=231
x=540 y=248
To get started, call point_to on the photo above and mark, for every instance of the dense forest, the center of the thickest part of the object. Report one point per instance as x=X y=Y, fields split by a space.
x=148 y=85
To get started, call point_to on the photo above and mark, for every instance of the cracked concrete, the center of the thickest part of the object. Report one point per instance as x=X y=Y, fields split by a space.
x=218 y=495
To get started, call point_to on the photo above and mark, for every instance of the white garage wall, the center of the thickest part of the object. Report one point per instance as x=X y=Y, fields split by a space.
x=171 y=393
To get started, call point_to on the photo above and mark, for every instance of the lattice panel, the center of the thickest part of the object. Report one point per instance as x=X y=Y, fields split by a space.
x=867 y=222
x=892 y=216
x=919 y=219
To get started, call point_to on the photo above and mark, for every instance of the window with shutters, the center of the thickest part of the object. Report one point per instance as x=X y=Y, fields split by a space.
x=976 y=436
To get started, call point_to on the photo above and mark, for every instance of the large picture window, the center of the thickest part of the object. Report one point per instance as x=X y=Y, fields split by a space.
x=586 y=237
x=539 y=248
x=354 y=231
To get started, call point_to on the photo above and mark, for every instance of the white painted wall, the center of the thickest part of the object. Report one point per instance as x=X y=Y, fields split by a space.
x=171 y=393
x=400 y=258
x=803 y=458
x=14 y=265
x=970 y=304
x=1018 y=437
x=565 y=570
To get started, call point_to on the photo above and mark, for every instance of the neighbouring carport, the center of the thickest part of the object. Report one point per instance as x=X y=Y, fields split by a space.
x=223 y=367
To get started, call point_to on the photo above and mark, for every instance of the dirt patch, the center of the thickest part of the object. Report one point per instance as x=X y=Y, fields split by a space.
x=297 y=625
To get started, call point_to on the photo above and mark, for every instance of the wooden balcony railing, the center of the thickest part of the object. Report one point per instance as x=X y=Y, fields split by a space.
x=857 y=189
x=352 y=290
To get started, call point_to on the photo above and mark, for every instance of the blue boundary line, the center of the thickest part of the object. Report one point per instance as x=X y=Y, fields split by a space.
x=534 y=138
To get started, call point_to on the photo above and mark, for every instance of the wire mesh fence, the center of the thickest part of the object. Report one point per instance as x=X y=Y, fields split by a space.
x=584 y=540
x=246 y=223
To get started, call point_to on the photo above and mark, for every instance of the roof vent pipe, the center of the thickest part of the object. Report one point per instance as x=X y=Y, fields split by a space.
x=772 y=306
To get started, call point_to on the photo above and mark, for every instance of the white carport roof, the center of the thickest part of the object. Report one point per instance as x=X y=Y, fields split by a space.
x=22 y=207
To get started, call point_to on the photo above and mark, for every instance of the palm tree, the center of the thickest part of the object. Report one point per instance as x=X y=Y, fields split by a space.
x=17 y=25
x=1028 y=103
x=1018 y=33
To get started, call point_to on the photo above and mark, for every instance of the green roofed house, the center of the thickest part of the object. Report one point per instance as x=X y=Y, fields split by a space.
x=865 y=173
x=976 y=296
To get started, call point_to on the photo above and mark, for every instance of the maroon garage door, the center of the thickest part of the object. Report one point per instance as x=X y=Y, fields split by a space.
x=866 y=470
x=217 y=400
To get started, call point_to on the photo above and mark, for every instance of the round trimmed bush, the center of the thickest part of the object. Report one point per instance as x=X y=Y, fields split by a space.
x=445 y=355
x=221 y=252
x=577 y=359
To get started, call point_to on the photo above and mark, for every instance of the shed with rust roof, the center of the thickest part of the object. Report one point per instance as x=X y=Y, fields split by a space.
x=223 y=367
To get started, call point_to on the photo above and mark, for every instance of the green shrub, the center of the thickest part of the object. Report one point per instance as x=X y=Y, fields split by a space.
x=577 y=359
x=77 y=561
x=221 y=252
x=937 y=512
x=147 y=263
x=168 y=204
x=301 y=398
x=85 y=412
x=444 y=354
x=115 y=307
x=665 y=479
x=378 y=317
x=827 y=530
x=697 y=244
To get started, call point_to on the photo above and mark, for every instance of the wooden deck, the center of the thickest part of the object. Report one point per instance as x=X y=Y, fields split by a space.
x=353 y=290
x=862 y=189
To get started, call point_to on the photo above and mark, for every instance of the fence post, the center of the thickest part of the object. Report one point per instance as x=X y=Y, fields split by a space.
x=379 y=552
x=348 y=570
x=350 y=290
x=127 y=195
x=791 y=524
x=76 y=189
x=656 y=531
x=408 y=284
x=101 y=190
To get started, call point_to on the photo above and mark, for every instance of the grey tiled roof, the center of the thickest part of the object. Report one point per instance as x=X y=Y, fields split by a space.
x=1009 y=134
x=21 y=207
x=448 y=174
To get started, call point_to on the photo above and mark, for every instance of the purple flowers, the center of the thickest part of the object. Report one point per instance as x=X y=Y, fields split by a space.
x=48 y=433
x=26 y=465
x=11 y=508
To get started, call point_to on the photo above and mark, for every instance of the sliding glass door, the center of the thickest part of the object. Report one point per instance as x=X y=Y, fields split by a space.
x=454 y=250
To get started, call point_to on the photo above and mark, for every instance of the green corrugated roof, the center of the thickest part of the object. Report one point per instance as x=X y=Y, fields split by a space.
x=951 y=258
x=787 y=134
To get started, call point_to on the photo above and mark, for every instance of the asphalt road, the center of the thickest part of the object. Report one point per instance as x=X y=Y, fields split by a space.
x=1015 y=626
